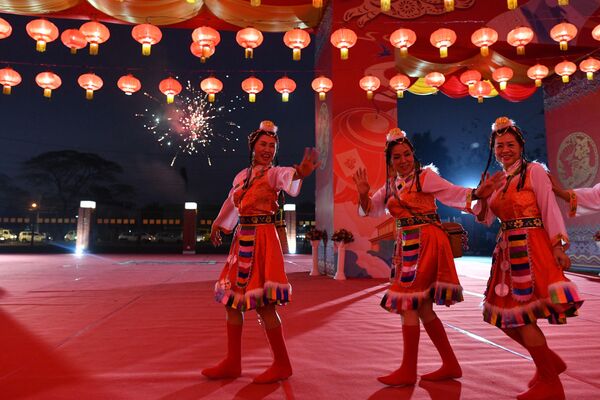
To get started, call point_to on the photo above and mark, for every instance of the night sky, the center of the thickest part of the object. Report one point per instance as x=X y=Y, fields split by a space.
x=108 y=125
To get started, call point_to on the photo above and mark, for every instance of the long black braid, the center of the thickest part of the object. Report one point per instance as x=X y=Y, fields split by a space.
x=390 y=180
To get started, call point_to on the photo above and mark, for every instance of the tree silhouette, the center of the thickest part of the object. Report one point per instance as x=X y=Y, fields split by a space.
x=63 y=178
x=13 y=198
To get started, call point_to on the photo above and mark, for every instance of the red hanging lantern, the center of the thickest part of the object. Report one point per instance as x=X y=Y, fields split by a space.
x=480 y=90
x=484 y=38
x=90 y=82
x=170 y=87
x=48 y=81
x=95 y=33
x=198 y=51
x=596 y=32
x=400 y=83
x=9 y=78
x=537 y=73
x=519 y=38
x=147 y=35
x=402 y=39
x=435 y=79
x=5 y=29
x=73 y=39
x=589 y=66
x=502 y=75
x=129 y=84
x=470 y=77
x=343 y=39
x=249 y=39
x=42 y=31
x=565 y=69
x=296 y=39
x=208 y=39
x=442 y=39
x=322 y=85
x=369 y=84
x=285 y=86
x=563 y=33
x=252 y=86
x=211 y=86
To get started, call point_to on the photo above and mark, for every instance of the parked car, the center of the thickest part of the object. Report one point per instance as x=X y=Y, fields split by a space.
x=135 y=236
x=6 y=235
x=71 y=236
x=25 y=236
x=168 y=237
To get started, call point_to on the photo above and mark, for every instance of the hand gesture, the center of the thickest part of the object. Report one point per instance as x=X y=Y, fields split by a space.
x=561 y=258
x=361 y=182
x=309 y=163
x=215 y=236
x=489 y=184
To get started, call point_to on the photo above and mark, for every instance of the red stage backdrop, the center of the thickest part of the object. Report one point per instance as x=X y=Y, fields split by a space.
x=573 y=137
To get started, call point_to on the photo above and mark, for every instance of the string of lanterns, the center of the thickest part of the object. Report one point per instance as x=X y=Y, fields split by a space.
x=205 y=39
x=386 y=5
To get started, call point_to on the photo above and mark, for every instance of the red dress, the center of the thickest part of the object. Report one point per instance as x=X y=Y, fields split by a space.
x=422 y=265
x=525 y=282
x=254 y=274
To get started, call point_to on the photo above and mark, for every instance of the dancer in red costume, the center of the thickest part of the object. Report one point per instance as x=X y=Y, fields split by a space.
x=254 y=275
x=423 y=270
x=527 y=282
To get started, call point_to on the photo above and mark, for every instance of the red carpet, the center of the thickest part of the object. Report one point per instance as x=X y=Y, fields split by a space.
x=143 y=326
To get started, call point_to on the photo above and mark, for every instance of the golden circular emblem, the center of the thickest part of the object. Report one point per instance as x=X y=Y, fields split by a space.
x=577 y=160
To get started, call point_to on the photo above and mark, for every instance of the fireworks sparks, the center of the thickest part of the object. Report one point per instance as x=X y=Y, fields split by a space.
x=192 y=125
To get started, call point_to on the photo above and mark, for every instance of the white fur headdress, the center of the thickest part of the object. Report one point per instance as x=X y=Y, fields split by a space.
x=501 y=123
x=268 y=126
x=395 y=134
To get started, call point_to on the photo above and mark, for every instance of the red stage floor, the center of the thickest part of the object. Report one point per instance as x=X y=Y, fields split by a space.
x=143 y=326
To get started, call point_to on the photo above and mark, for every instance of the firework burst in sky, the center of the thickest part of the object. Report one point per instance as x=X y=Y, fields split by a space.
x=191 y=124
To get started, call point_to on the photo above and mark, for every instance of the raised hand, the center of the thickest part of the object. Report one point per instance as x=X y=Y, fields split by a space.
x=309 y=163
x=489 y=184
x=361 y=182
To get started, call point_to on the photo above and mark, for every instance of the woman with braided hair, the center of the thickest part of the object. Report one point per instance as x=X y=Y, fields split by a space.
x=423 y=271
x=253 y=276
x=527 y=282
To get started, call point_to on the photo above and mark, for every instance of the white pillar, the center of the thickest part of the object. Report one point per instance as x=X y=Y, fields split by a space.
x=315 y=258
x=341 y=261
x=84 y=225
x=290 y=226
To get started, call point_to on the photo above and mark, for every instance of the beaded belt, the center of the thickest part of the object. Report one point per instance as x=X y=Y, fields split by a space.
x=256 y=219
x=418 y=220
x=522 y=223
